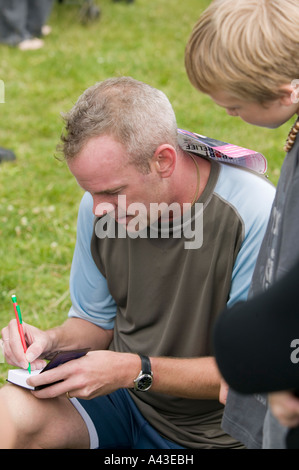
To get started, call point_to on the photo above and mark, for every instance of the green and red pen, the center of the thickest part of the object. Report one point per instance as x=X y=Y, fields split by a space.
x=20 y=327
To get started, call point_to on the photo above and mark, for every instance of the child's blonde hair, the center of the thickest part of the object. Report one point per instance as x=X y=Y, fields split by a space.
x=247 y=48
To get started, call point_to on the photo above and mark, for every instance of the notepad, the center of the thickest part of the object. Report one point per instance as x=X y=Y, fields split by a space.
x=19 y=376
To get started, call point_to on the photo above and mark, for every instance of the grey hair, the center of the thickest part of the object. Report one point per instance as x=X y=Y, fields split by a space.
x=135 y=114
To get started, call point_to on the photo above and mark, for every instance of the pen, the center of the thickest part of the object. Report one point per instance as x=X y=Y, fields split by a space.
x=20 y=327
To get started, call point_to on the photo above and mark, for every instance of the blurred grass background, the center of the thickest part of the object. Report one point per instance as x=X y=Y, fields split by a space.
x=38 y=196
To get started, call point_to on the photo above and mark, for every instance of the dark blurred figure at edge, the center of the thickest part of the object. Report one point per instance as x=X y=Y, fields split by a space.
x=22 y=22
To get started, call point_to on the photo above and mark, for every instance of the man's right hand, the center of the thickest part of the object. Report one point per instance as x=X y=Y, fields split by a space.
x=38 y=343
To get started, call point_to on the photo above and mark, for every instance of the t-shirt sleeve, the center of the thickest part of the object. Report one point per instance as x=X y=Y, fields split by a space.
x=251 y=197
x=91 y=299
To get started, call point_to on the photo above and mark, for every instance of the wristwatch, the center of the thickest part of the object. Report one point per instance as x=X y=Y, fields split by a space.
x=144 y=381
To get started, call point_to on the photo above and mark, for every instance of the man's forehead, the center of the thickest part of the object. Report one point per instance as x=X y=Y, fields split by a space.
x=102 y=142
x=101 y=154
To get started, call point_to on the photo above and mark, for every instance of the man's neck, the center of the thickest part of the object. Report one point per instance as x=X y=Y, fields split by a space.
x=192 y=174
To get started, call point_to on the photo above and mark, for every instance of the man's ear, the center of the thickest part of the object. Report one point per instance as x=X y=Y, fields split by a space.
x=164 y=160
x=289 y=94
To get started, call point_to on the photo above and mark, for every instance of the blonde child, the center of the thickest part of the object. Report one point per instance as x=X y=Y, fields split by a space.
x=244 y=55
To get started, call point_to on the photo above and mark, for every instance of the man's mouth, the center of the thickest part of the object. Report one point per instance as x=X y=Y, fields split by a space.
x=124 y=219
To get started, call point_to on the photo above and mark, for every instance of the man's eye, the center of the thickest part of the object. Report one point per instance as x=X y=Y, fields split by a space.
x=112 y=193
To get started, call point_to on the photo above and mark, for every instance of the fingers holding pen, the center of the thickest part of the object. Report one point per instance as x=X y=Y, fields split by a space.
x=13 y=349
x=12 y=345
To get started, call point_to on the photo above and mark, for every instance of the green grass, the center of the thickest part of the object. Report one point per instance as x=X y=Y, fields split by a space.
x=38 y=196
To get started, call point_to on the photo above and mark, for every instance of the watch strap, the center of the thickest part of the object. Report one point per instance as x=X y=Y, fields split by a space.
x=145 y=364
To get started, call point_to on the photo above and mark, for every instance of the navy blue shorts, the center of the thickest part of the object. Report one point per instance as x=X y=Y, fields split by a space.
x=114 y=422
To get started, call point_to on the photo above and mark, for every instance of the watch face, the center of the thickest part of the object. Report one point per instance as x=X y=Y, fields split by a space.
x=144 y=382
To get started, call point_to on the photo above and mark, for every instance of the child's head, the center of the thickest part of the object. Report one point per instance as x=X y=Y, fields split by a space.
x=247 y=49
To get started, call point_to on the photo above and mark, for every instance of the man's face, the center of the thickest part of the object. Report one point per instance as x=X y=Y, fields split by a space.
x=102 y=168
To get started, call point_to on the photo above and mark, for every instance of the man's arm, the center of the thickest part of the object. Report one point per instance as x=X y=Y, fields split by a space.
x=102 y=372
x=188 y=378
x=75 y=333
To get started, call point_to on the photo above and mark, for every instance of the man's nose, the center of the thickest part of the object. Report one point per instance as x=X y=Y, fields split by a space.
x=102 y=208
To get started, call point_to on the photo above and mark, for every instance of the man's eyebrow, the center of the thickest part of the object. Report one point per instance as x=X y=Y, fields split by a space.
x=109 y=191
